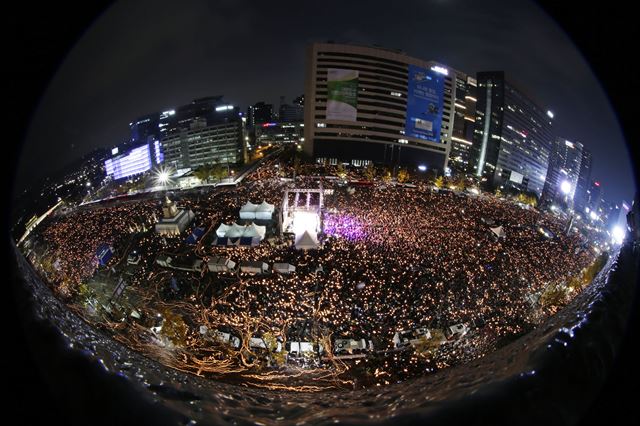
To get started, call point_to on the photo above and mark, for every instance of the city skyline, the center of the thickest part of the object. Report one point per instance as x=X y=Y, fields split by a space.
x=164 y=226
x=224 y=60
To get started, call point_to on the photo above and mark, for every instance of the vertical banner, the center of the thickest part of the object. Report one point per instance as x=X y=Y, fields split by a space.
x=342 y=94
x=424 y=104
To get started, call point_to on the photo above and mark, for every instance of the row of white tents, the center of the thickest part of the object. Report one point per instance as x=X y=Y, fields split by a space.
x=258 y=267
x=237 y=231
x=262 y=211
x=341 y=346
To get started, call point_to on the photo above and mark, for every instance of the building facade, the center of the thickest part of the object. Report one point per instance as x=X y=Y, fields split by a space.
x=291 y=113
x=279 y=133
x=595 y=198
x=581 y=196
x=365 y=104
x=512 y=135
x=205 y=144
x=144 y=129
x=565 y=159
x=259 y=113
x=134 y=161
x=463 y=124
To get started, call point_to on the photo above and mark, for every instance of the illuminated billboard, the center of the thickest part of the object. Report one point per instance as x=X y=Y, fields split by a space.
x=424 y=104
x=342 y=94
x=134 y=162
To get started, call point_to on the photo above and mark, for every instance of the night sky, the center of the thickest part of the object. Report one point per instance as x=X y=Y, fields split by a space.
x=146 y=56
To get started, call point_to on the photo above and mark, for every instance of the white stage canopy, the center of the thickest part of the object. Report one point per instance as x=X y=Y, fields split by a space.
x=222 y=230
x=248 y=211
x=252 y=230
x=264 y=211
x=306 y=241
x=235 y=231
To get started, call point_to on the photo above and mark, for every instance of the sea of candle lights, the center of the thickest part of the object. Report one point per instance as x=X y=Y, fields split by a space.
x=392 y=258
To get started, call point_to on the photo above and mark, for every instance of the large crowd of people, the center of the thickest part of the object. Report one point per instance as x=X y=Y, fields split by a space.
x=391 y=258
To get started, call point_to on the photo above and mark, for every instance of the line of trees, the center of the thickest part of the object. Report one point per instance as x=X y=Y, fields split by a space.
x=558 y=294
x=210 y=171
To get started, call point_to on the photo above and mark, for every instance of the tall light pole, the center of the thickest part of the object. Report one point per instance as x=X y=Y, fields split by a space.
x=163 y=176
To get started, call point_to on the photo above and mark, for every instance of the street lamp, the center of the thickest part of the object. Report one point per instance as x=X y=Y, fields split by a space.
x=617 y=234
x=162 y=176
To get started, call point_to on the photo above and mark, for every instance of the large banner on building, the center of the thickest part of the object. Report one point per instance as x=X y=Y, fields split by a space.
x=424 y=104
x=342 y=94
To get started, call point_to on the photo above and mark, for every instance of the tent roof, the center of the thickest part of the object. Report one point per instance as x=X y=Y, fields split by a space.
x=235 y=230
x=222 y=228
x=249 y=207
x=306 y=241
x=265 y=207
x=253 y=230
x=499 y=231
x=286 y=267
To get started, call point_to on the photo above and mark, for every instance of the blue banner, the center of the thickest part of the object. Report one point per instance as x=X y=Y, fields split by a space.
x=424 y=104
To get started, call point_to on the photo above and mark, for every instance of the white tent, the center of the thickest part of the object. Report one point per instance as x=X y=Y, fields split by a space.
x=458 y=329
x=254 y=267
x=264 y=211
x=256 y=342
x=222 y=230
x=301 y=347
x=307 y=241
x=252 y=230
x=348 y=345
x=248 y=211
x=284 y=268
x=220 y=264
x=499 y=232
x=235 y=231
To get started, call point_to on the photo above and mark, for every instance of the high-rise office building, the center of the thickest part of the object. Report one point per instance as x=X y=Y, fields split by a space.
x=144 y=129
x=365 y=104
x=290 y=113
x=259 y=113
x=205 y=144
x=133 y=161
x=156 y=126
x=594 y=197
x=563 y=173
x=512 y=135
x=581 y=196
x=299 y=100
x=279 y=133
x=463 y=124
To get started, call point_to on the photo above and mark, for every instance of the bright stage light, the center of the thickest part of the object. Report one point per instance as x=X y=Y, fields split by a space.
x=565 y=187
x=618 y=234
x=305 y=221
